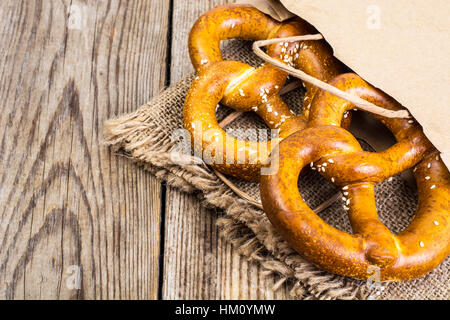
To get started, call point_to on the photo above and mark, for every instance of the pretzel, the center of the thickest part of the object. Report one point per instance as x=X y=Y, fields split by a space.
x=337 y=155
x=242 y=87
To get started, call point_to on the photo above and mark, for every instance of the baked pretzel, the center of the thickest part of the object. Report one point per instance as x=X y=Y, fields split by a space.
x=242 y=87
x=338 y=156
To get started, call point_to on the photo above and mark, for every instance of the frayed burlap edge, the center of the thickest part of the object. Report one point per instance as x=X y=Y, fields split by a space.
x=137 y=137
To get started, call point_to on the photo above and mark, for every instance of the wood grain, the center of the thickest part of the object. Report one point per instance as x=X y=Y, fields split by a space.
x=65 y=199
x=198 y=264
x=68 y=206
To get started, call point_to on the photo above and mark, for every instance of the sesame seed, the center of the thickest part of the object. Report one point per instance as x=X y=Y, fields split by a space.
x=269 y=109
x=276 y=87
x=421 y=244
x=332 y=179
x=197 y=77
x=275 y=113
x=345 y=193
x=330 y=160
x=271 y=122
x=283 y=50
x=324 y=164
x=437 y=158
x=311 y=164
x=286 y=44
x=323 y=169
x=347 y=202
x=345 y=188
x=390 y=179
x=429 y=166
x=255 y=108
x=410 y=121
x=233 y=25
x=427 y=178
x=241 y=92
x=266 y=90
x=344 y=199
x=433 y=186
x=346 y=208
x=204 y=61
x=436 y=223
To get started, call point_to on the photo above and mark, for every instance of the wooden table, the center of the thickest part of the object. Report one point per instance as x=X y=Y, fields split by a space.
x=77 y=221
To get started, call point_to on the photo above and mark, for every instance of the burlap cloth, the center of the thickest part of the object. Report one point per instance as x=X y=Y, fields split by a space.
x=145 y=137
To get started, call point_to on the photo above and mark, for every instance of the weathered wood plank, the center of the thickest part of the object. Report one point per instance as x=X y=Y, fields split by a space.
x=198 y=264
x=66 y=202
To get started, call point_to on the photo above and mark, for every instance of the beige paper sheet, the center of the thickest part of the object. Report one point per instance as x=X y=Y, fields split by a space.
x=400 y=46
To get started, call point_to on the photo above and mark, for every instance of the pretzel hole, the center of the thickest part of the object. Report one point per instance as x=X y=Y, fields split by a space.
x=249 y=126
x=377 y=136
x=315 y=190
x=365 y=126
x=244 y=51
x=396 y=203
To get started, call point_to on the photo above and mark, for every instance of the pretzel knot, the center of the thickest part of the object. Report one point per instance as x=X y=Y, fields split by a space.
x=339 y=157
x=242 y=87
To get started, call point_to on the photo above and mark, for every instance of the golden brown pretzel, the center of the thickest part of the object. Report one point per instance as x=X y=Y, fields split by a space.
x=410 y=254
x=244 y=88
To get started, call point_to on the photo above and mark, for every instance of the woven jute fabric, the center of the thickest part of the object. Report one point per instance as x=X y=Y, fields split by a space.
x=145 y=136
